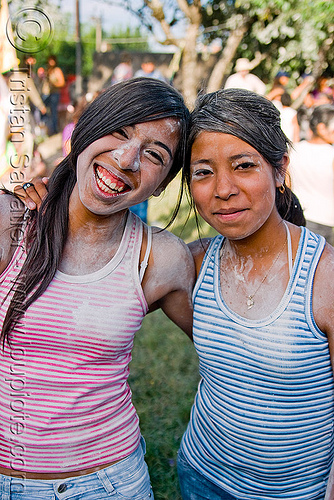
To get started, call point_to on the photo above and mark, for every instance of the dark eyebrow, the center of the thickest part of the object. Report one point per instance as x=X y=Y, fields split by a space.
x=198 y=162
x=242 y=155
x=166 y=148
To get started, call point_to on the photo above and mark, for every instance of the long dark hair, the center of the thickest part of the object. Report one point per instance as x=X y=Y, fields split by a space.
x=253 y=119
x=135 y=101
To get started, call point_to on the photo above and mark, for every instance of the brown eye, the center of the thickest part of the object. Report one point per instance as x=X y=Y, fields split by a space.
x=201 y=172
x=154 y=156
x=245 y=165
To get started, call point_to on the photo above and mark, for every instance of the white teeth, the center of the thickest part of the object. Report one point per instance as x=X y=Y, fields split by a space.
x=104 y=181
x=112 y=186
x=103 y=187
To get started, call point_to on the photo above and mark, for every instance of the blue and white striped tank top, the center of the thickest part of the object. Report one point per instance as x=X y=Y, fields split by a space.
x=261 y=426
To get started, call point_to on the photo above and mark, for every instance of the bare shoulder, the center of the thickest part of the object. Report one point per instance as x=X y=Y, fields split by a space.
x=169 y=250
x=323 y=291
x=11 y=211
x=198 y=249
x=170 y=267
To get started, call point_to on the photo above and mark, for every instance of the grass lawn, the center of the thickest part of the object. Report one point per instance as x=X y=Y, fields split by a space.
x=163 y=378
x=164 y=370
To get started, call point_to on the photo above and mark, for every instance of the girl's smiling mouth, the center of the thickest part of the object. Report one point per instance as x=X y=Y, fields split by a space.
x=229 y=214
x=108 y=182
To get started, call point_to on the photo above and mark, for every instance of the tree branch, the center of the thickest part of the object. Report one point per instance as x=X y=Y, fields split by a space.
x=157 y=11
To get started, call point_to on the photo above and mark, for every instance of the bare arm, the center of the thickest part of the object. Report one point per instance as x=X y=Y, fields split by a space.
x=323 y=309
x=57 y=77
x=169 y=279
x=35 y=98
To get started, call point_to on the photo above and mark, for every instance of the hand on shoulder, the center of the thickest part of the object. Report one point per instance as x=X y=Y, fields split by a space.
x=33 y=195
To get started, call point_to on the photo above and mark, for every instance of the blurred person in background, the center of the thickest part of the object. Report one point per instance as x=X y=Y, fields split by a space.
x=123 y=71
x=289 y=122
x=279 y=86
x=312 y=172
x=243 y=79
x=149 y=70
x=53 y=82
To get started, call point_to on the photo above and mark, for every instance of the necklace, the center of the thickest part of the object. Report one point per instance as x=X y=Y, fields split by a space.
x=250 y=298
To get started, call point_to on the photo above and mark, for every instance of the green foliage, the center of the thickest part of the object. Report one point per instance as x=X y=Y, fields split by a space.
x=64 y=46
x=163 y=378
x=289 y=32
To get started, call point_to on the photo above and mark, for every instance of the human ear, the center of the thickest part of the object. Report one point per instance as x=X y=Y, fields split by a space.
x=281 y=173
x=321 y=129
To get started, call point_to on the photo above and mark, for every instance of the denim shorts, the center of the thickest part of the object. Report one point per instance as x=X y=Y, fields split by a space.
x=128 y=479
x=194 y=486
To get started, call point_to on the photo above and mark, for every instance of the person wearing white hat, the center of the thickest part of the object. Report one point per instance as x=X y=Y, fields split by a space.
x=243 y=79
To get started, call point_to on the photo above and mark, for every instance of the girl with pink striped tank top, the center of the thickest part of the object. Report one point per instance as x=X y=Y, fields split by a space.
x=75 y=286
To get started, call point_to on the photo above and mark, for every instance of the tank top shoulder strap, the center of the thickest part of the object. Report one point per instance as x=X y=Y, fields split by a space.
x=135 y=244
x=144 y=262
x=132 y=255
x=209 y=262
x=314 y=245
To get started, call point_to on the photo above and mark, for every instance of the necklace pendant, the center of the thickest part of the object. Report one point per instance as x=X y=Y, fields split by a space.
x=250 y=302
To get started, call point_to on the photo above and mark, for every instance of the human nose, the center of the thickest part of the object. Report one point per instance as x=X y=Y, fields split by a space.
x=128 y=158
x=225 y=186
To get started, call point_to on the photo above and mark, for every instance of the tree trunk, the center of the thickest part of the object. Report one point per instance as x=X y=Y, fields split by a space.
x=219 y=71
x=189 y=66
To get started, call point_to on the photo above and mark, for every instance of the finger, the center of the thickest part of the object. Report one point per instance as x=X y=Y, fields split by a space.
x=27 y=197
x=32 y=193
x=40 y=185
x=37 y=190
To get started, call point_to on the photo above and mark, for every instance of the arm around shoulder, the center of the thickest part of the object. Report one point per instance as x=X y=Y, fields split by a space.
x=170 y=278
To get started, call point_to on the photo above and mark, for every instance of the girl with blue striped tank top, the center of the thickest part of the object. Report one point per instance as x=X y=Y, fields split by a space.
x=261 y=426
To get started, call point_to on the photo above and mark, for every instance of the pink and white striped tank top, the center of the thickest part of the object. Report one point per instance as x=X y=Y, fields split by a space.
x=65 y=403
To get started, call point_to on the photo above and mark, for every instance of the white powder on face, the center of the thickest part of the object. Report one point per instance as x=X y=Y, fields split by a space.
x=118 y=153
x=172 y=125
